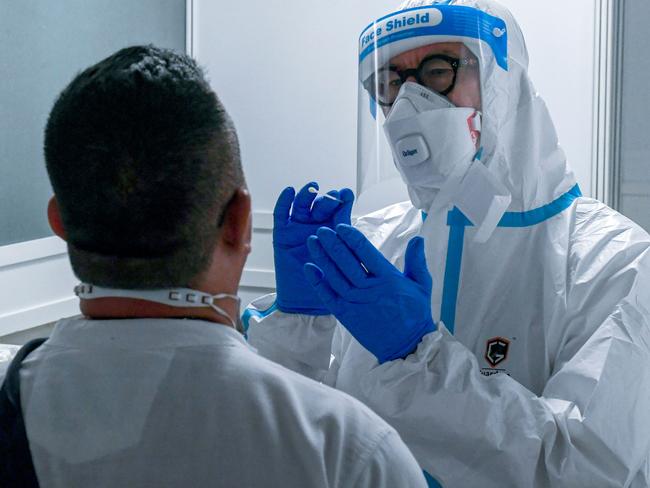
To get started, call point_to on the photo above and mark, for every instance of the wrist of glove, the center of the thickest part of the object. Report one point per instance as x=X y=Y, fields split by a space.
x=386 y=310
x=409 y=345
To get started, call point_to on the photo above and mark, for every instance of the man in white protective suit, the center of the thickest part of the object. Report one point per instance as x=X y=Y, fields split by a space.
x=155 y=385
x=522 y=357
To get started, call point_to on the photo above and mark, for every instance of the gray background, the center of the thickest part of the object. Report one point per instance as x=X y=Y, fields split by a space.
x=43 y=44
x=635 y=140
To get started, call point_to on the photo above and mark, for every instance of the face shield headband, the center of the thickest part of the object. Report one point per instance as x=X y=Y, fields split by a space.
x=411 y=28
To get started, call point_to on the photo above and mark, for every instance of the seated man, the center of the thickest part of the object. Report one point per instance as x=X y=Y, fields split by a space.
x=155 y=385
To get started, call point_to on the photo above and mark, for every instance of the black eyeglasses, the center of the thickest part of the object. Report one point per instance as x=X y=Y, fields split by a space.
x=437 y=72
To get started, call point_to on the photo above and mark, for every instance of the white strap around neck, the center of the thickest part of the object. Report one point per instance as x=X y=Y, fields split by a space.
x=175 y=297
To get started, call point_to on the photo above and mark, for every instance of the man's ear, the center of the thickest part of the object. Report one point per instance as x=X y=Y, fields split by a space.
x=54 y=218
x=236 y=227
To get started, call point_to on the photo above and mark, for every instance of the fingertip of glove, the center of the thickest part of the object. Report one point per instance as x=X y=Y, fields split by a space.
x=324 y=232
x=416 y=242
x=346 y=194
x=312 y=244
x=344 y=229
x=283 y=203
x=313 y=184
x=287 y=195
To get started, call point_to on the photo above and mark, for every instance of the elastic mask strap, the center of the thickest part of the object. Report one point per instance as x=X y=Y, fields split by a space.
x=174 y=297
x=474 y=124
x=237 y=325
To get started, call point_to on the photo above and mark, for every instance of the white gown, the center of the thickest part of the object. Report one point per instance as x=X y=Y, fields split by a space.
x=187 y=403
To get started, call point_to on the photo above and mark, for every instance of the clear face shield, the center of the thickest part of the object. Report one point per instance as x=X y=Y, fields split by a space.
x=421 y=74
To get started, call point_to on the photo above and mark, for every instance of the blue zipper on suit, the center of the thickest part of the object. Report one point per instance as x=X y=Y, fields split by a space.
x=457 y=223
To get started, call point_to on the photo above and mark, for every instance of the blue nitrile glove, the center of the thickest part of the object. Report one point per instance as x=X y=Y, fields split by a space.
x=295 y=218
x=386 y=310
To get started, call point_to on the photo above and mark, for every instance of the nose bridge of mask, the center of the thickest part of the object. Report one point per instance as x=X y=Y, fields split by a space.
x=421 y=98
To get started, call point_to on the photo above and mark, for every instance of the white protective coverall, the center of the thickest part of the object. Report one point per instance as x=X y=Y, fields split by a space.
x=539 y=372
x=188 y=403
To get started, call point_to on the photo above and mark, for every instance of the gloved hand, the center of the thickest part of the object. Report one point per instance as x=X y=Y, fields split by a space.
x=386 y=310
x=295 y=218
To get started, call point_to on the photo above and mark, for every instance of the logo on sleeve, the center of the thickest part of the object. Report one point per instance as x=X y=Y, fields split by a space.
x=497 y=351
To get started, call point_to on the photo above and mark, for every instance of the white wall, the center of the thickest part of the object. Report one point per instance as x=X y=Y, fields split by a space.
x=635 y=143
x=35 y=284
x=287 y=73
x=54 y=40
x=43 y=43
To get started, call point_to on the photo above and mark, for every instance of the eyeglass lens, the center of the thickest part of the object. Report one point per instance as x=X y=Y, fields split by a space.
x=435 y=73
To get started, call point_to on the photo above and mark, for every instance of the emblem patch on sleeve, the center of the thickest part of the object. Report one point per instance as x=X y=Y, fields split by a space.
x=496 y=351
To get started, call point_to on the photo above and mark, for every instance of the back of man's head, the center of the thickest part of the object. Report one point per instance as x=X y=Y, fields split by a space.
x=143 y=160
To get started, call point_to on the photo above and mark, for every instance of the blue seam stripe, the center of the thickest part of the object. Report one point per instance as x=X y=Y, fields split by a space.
x=457 y=223
x=260 y=314
x=523 y=219
x=373 y=108
x=458 y=21
x=452 y=276
x=431 y=481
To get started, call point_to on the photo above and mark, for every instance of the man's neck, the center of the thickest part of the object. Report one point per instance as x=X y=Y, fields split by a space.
x=217 y=279
x=131 y=308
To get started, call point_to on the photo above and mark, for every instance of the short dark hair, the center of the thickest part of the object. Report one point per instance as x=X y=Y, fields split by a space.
x=143 y=160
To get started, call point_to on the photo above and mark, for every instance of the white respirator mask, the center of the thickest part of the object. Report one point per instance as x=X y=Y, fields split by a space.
x=434 y=146
x=176 y=297
x=429 y=138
